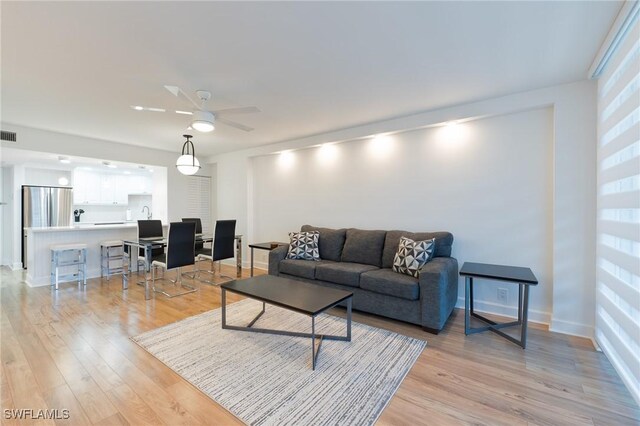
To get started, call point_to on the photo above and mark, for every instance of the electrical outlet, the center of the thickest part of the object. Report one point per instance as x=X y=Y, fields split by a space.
x=503 y=295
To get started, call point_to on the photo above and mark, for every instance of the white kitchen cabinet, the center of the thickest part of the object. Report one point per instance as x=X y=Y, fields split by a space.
x=122 y=189
x=86 y=187
x=107 y=188
x=140 y=184
x=102 y=188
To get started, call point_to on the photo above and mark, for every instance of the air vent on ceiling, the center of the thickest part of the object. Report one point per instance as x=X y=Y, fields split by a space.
x=8 y=136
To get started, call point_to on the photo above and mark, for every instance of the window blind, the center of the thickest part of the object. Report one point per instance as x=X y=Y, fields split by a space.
x=618 y=200
x=199 y=200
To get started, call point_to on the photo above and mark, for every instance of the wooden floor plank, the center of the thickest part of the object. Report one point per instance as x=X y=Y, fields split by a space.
x=90 y=363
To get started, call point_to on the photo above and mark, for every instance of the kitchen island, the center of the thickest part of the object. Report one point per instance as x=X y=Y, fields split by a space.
x=40 y=239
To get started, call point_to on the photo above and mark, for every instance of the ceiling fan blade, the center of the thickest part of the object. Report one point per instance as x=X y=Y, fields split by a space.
x=173 y=89
x=234 y=124
x=143 y=108
x=176 y=91
x=241 y=110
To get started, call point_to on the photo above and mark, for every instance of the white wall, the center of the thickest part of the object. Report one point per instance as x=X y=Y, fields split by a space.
x=171 y=208
x=572 y=176
x=6 y=216
x=478 y=180
x=45 y=177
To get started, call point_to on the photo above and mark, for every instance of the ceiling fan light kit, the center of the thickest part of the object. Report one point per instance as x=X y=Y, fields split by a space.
x=203 y=121
x=187 y=163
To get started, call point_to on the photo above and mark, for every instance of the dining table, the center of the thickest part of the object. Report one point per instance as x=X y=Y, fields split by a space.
x=150 y=243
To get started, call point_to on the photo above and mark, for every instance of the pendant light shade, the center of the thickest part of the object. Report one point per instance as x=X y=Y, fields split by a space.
x=187 y=163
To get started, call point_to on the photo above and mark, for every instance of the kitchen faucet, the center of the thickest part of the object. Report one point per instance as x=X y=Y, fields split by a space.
x=148 y=212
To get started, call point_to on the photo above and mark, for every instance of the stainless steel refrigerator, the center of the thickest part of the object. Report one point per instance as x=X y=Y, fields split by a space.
x=43 y=207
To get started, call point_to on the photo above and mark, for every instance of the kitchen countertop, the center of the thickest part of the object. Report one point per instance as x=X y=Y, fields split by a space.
x=87 y=227
x=81 y=227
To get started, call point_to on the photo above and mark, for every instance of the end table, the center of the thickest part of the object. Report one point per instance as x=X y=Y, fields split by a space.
x=270 y=245
x=522 y=276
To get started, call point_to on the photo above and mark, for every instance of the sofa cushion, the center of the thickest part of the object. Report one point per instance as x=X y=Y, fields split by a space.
x=412 y=256
x=344 y=273
x=444 y=240
x=385 y=281
x=304 y=245
x=331 y=241
x=300 y=268
x=363 y=246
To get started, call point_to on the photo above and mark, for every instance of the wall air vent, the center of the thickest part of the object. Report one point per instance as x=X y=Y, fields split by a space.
x=8 y=136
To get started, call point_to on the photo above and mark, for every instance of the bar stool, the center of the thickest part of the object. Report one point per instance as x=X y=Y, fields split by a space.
x=79 y=259
x=111 y=251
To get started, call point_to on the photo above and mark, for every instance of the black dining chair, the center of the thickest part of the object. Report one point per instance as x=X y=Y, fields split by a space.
x=146 y=229
x=200 y=249
x=151 y=229
x=223 y=247
x=180 y=252
x=200 y=246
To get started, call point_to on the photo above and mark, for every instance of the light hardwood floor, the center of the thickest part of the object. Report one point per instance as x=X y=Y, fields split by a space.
x=71 y=349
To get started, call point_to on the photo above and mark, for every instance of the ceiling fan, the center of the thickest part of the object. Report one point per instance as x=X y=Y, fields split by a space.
x=202 y=119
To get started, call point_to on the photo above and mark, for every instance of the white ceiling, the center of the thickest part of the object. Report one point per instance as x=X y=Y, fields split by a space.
x=311 y=67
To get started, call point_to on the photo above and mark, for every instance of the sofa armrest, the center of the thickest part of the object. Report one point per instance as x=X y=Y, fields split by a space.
x=438 y=292
x=277 y=255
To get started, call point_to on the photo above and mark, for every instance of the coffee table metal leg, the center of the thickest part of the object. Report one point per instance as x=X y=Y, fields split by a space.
x=257 y=316
x=313 y=343
x=224 y=307
x=349 y=319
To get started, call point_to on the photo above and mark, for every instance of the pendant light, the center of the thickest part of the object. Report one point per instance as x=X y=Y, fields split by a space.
x=187 y=163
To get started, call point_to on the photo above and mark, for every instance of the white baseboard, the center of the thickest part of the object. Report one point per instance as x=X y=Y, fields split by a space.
x=16 y=266
x=261 y=265
x=571 y=328
x=246 y=264
x=505 y=310
x=46 y=281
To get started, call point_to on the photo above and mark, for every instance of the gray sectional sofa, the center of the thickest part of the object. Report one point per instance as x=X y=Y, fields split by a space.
x=360 y=261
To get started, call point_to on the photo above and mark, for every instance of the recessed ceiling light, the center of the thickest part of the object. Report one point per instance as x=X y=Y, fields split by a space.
x=156 y=109
x=64 y=160
x=137 y=108
x=109 y=164
x=184 y=112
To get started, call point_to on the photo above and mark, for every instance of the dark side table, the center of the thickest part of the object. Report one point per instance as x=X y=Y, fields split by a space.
x=270 y=245
x=513 y=274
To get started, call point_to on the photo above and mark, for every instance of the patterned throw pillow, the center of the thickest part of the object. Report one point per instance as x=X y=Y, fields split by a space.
x=412 y=255
x=304 y=245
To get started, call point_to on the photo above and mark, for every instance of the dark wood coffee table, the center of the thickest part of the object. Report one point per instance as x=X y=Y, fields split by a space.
x=297 y=296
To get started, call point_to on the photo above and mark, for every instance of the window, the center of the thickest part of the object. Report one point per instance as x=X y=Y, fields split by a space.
x=618 y=228
x=199 y=200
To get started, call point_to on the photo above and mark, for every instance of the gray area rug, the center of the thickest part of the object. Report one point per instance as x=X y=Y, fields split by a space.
x=267 y=379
